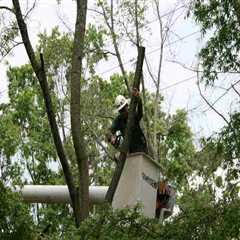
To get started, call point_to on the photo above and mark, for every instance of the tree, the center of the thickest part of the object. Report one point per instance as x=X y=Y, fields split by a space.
x=80 y=202
x=220 y=56
x=27 y=149
x=82 y=208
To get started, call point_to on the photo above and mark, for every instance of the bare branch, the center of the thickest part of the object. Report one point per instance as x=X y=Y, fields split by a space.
x=95 y=11
x=209 y=104
x=123 y=23
x=163 y=36
x=136 y=23
x=7 y=8
x=183 y=65
x=197 y=70
x=220 y=97
x=30 y=10
x=235 y=90
x=98 y=141
x=150 y=72
x=114 y=40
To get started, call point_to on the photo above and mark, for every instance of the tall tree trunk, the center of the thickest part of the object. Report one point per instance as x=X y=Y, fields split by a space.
x=78 y=141
x=156 y=102
x=136 y=23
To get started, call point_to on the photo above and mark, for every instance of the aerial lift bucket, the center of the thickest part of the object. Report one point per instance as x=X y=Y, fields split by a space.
x=138 y=184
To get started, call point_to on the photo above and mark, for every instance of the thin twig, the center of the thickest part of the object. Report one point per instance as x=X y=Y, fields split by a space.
x=110 y=26
x=9 y=50
x=150 y=72
x=98 y=141
x=28 y=12
x=197 y=70
x=7 y=8
x=64 y=23
x=235 y=90
x=226 y=91
x=209 y=104
x=95 y=11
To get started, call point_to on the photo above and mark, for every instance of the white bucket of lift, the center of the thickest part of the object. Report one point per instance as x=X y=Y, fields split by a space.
x=137 y=184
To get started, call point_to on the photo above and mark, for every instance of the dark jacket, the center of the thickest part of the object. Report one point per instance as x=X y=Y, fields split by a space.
x=138 y=143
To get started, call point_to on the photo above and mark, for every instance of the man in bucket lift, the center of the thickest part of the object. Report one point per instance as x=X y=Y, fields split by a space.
x=119 y=124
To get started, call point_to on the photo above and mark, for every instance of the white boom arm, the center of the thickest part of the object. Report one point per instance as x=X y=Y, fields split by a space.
x=58 y=193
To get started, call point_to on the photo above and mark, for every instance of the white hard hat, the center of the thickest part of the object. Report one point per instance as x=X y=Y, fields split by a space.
x=120 y=102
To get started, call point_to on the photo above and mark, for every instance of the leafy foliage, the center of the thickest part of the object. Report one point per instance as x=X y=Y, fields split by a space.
x=177 y=148
x=221 y=53
x=15 y=219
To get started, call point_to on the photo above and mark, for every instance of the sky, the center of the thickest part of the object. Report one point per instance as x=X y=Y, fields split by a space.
x=178 y=85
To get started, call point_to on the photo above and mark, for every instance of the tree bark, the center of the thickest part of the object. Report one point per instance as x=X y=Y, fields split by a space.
x=130 y=123
x=156 y=105
x=78 y=141
x=136 y=23
x=41 y=75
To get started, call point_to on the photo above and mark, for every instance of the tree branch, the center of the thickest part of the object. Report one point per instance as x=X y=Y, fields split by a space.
x=146 y=118
x=114 y=40
x=209 y=104
x=10 y=49
x=235 y=90
x=7 y=8
x=136 y=23
x=156 y=102
x=226 y=91
x=150 y=72
x=95 y=11
x=28 y=12
x=99 y=141
x=64 y=23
